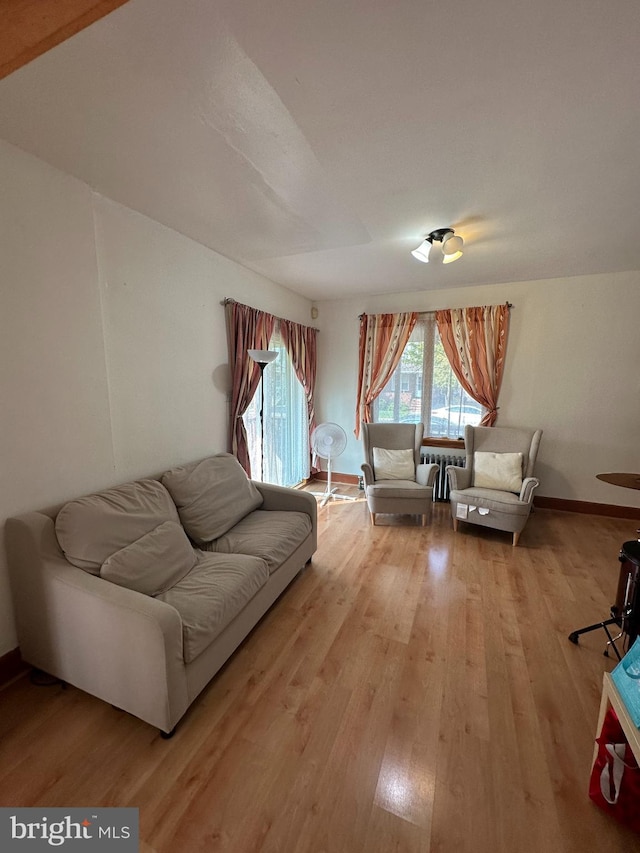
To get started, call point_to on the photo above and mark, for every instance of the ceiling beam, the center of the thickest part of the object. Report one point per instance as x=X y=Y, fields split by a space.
x=29 y=28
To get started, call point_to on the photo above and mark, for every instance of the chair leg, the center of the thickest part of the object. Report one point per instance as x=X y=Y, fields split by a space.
x=455 y=525
x=516 y=536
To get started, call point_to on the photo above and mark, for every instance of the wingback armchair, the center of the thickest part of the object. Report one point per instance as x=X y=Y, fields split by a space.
x=495 y=488
x=395 y=480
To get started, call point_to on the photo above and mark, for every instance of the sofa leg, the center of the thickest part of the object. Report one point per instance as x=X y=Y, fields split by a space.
x=167 y=735
x=424 y=520
x=373 y=518
x=455 y=525
x=516 y=536
x=42 y=679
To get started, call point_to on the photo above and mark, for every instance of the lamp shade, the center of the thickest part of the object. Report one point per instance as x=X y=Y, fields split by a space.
x=422 y=252
x=263 y=356
x=428 y=252
x=451 y=247
x=451 y=244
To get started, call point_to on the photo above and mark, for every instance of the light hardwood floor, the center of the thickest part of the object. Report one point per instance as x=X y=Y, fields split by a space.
x=414 y=690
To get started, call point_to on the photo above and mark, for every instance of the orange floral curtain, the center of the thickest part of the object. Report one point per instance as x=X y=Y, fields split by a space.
x=301 y=344
x=247 y=328
x=383 y=338
x=475 y=342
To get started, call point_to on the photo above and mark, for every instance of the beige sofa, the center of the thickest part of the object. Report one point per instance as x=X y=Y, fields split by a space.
x=140 y=593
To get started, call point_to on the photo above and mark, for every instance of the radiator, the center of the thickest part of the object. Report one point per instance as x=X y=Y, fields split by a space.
x=441 y=486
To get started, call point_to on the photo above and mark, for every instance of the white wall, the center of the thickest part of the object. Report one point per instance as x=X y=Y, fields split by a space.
x=113 y=343
x=165 y=337
x=572 y=368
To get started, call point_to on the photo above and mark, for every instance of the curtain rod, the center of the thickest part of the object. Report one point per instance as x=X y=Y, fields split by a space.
x=228 y=300
x=423 y=313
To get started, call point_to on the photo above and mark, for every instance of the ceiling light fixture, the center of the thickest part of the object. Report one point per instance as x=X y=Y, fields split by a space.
x=449 y=250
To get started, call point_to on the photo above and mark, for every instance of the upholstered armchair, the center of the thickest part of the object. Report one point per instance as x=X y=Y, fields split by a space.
x=395 y=481
x=495 y=488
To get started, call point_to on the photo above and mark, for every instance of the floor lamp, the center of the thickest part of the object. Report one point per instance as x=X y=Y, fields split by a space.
x=262 y=358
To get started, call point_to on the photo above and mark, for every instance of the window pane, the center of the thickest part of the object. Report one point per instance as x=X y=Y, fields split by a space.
x=424 y=388
x=451 y=407
x=286 y=437
x=401 y=398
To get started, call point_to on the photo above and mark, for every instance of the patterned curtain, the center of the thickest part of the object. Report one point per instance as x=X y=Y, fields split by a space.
x=247 y=328
x=302 y=345
x=475 y=341
x=383 y=338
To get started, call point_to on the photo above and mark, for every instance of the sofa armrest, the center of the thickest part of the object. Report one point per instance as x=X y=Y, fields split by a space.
x=529 y=485
x=286 y=500
x=367 y=472
x=117 y=644
x=426 y=473
x=459 y=478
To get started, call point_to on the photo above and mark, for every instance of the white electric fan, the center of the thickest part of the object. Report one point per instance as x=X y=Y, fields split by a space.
x=328 y=442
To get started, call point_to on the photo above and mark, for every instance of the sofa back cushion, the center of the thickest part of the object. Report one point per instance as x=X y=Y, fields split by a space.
x=92 y=528
x=211 y=495
x=154 y=563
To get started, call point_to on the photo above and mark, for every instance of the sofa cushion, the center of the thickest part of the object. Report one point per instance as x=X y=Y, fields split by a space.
x=211 y=495
x=399 y=489
x=491 y=499
x=92 y=528
x=270 y=535
x=394 y=464
x=211 y=596
x=497 y=471
x=153 y=563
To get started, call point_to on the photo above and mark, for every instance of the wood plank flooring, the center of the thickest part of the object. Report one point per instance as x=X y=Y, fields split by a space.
x=414 y=690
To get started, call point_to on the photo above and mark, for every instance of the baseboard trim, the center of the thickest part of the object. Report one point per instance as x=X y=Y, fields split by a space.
x=587 y=507
x=560 y=504
x=347 y=479
x=11 y=666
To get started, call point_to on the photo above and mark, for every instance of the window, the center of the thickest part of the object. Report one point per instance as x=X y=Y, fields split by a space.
x=424 y=388
x=286 y=432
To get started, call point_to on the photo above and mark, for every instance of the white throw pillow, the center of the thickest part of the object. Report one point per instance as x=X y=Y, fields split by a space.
x=497 y=471
x=393 y=464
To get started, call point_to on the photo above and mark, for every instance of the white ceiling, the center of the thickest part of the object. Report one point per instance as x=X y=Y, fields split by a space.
x=317 y=143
